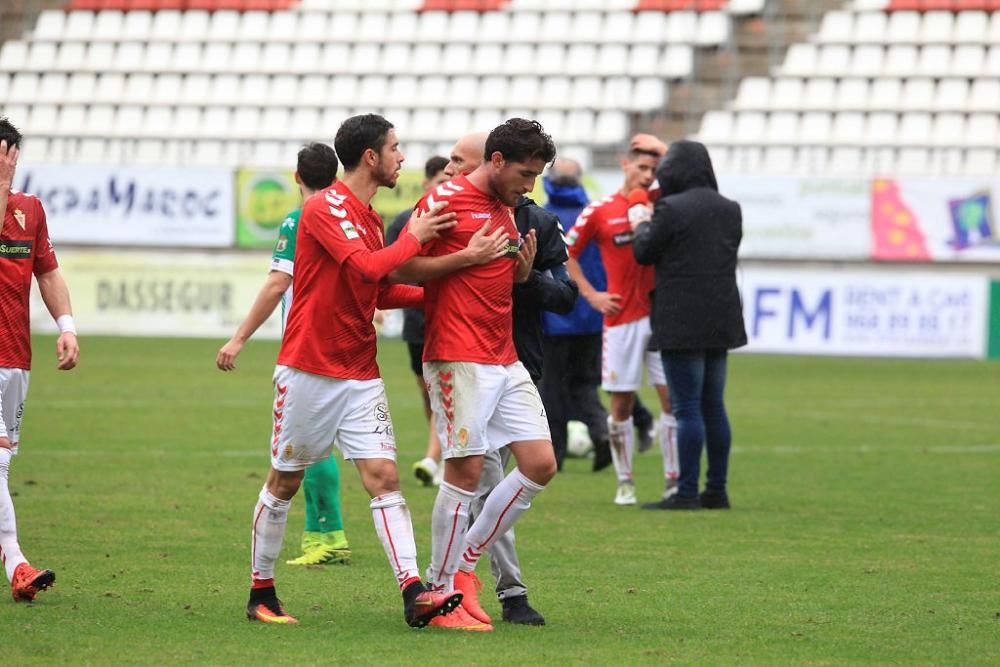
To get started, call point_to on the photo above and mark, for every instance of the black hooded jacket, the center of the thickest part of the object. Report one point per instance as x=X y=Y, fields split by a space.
x=693 y=239
x=548 y=288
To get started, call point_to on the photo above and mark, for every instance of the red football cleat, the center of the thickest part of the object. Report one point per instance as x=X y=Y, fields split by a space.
x=28 y=581
x=468 y=584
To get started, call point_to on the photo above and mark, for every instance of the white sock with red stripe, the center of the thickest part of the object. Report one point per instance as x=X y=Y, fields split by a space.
x=269 y=520
x=621 y=435
x=668 y=445
x=10 y=550
x=395 y=530
x=504 y=506
x=449 y=524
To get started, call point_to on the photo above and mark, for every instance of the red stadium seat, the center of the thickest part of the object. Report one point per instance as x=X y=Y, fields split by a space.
x=462 y=5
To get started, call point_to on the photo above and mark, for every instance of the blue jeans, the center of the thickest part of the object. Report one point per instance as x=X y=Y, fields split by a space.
x=697 y=382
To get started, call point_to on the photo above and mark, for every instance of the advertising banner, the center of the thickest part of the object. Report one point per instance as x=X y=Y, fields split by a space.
x=146 y=293
x=137 y=206
x=263 y=199
x=861 y=313
x=789 y=217
x=939 y=219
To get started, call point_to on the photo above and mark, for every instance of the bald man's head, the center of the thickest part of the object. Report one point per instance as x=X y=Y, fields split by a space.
x=565 y=171
x=467 y=154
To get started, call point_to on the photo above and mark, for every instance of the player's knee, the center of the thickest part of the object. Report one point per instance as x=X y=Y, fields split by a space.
x=460 y=473
x=284 y=484
x=542 y=470
x=380 y=478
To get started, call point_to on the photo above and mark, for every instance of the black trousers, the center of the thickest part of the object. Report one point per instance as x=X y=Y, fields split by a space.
x=570 y=380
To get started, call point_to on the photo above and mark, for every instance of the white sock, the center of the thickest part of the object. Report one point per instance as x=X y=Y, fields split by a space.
x=504 y=506
x=449 y=524
x=431 y=464
x=668 y=445
x=10 y=550
x=622 y=437
x=395 y=531
x=269 y=519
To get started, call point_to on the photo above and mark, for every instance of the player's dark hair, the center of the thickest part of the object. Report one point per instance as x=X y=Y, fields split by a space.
x=357 y=134
x=317 y=166
x=9 y=133
x=434 y=166
x=520 y=140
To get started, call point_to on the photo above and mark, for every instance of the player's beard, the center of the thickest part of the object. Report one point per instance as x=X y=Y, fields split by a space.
x=388 y=177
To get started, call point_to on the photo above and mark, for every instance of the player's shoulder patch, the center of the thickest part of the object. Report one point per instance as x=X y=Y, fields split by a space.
x=350 y=231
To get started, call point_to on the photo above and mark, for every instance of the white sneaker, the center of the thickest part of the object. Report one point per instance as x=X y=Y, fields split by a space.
x=425 y=470
x=671 y=489
x=625 y=494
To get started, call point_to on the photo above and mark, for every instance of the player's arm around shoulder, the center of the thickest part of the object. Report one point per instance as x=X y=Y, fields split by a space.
x=55 y=294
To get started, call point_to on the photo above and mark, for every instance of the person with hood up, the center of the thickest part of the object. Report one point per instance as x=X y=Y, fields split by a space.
x=697 y=316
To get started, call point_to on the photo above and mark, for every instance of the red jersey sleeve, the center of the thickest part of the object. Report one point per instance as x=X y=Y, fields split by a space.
x=45 y=254
x=583 y=232
x=400 y=296
x=332 y=229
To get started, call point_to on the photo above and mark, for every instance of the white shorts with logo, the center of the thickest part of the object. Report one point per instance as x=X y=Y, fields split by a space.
x=483 y=407
x=313 y=412
x=625 y=354
x=13 y=392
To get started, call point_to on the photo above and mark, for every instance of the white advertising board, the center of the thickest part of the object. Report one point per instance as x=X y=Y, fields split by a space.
x=137 y=206
x=858 y=313
x=791 y=217
x=148 y=293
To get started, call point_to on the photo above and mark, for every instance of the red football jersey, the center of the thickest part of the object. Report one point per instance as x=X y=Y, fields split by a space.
x=469 y=312
x=606 y=222
x=340 y=270
x=25 y=249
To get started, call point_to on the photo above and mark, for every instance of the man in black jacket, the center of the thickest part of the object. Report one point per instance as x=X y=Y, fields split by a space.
x=548 y=288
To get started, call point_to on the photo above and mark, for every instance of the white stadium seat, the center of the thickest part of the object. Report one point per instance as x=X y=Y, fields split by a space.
x=852 y=95
x=79 y=26
x=108 y=25
x=837 y=27
x=903 y=28
x=819 y=94
x=815 y=128
x=869 y=28
x=51 y=25
x=918 y=94
x=937 y=27
x=952 y=95
x=786 y=93
x=782 y=128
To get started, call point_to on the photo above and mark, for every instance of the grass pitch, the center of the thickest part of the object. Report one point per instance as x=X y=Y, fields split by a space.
x=865 y=528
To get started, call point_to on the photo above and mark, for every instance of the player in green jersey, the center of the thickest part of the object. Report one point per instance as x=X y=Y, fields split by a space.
x=323 y=540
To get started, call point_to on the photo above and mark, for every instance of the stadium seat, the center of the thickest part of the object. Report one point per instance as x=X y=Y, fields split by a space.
x=581 y=60
x=610 y=127
x=819 y=94
x=195 y=90
x=848 y=128
x=837 y=27
x=586 y=93
x=869 y=28
x=682 y=27
x=852 y=95
x=800 y=60
x=617 y=91
x=587 y=27
x=225 y=89
x=885 y=94
x=903 y=28
x=782 y=129
x=985 y=95
x=982 y=130
x=918 y=94
x=650 y=94
x=754 y=93
x=617 y=24
x=493 y=91
x=952 y=95
x=881 y=129
x=50 y=25
x=110 y=88
x=968 y=60
x=79 y=86
x=814 y=128
x=713 y=29
x=716 y=127
x=786 y=93
x=195 y=26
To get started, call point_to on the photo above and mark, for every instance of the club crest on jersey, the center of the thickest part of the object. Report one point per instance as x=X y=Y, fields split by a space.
x=349 y=230
x=19 y=216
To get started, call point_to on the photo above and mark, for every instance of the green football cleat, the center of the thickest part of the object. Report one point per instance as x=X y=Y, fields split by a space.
x=311 y=540
x=332 y=549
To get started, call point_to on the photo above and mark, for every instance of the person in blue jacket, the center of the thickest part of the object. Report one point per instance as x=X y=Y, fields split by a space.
x=572 y=343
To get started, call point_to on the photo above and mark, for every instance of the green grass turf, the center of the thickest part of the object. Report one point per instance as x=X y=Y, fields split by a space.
x=865 y=526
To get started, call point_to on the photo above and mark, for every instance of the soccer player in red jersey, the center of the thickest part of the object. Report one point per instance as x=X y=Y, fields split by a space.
x=327 y=386
x=482 y=396
x=626 y=308
x=25 y=250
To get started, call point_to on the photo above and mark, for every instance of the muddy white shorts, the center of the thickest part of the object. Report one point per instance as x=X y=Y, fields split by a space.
x=482 y=407
x=625 y=354
x=13 y=392
x=312 y=412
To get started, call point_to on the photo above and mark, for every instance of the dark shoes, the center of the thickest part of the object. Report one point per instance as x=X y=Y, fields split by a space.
x=674 y=502
x=602 y=455
x=517 y=610
x=714 y=501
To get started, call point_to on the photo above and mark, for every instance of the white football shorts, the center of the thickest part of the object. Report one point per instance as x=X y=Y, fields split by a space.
x=312 y=413
x=625 y=354
x=13 y=392
x=483 y=407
